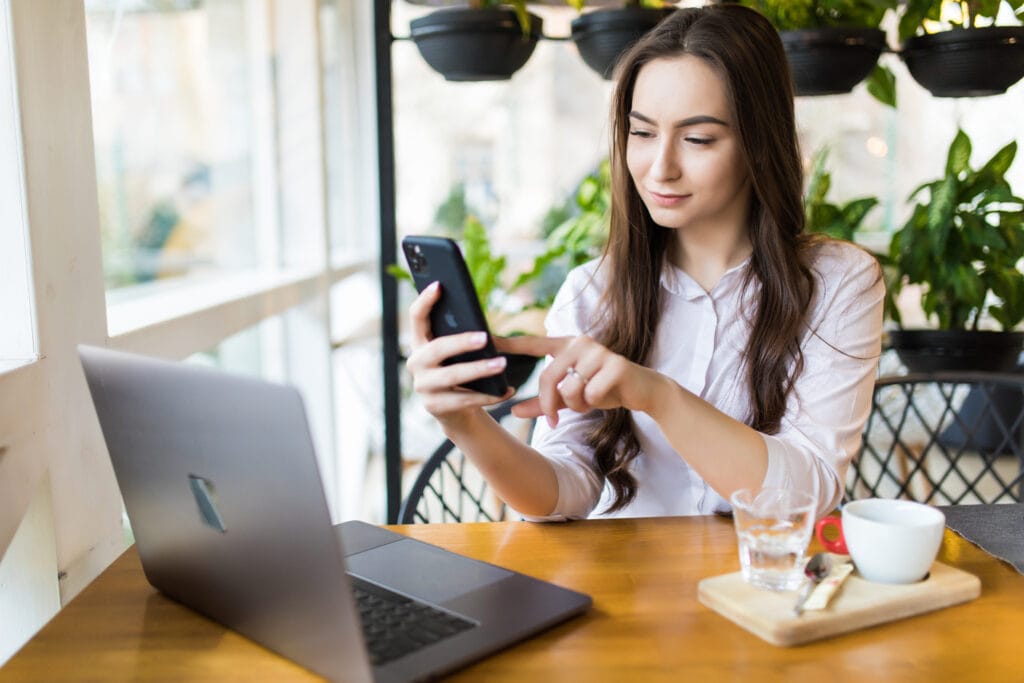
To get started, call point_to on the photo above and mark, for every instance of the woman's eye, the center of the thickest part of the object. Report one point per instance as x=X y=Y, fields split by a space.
x=640 y=133
x=699 y=141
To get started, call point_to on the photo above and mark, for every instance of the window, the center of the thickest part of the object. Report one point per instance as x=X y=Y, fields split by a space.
x=204 y=236
x=17 y=338
x=173 y=88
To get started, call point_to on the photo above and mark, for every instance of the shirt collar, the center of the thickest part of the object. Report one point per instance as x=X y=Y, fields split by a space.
x=676 y=281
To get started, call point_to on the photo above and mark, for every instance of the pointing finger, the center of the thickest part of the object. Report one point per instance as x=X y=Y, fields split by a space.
x=530 y=345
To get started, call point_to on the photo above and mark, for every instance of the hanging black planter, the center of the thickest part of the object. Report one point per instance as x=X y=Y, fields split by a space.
x=603 y=36
x=465 y=44
x=939 y=350
x=830 y=61
x=972 y=62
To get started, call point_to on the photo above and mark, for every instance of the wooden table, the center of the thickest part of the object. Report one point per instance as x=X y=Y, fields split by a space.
x=646 y=623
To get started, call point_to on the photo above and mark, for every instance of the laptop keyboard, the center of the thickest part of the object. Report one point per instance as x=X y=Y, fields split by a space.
x=395 y=625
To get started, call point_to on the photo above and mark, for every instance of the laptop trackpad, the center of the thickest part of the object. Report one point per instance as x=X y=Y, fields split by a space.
x=423 y=571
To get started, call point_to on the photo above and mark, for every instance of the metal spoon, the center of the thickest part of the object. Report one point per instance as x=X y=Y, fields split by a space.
x=816 y=569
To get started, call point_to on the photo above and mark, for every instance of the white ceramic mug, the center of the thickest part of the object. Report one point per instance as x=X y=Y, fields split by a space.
x=890 y=541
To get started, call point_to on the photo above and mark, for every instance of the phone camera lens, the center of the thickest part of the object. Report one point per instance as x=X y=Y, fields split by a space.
x=416 y=263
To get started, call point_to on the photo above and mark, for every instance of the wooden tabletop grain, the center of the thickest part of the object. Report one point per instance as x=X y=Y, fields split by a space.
x=646 y=623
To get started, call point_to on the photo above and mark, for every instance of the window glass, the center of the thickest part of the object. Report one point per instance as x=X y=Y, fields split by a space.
x=173 y=120
x=16 y=331
x=244 y=353
x=509 y=153
x=350 y=144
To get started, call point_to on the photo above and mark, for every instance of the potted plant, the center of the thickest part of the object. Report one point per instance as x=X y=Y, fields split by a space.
x=963 y=246
x=488 y=40
x=603 y=35
x=832 y=45
x=961 y=52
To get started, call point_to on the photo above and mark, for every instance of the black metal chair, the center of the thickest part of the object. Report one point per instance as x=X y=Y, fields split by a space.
x=449 y=488
x=943 y=439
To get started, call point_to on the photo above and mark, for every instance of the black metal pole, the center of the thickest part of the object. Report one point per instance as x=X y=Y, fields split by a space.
x=388 y=285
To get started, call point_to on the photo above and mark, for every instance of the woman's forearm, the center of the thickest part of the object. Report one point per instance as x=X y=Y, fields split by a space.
x=519 y=475
x=726 y=453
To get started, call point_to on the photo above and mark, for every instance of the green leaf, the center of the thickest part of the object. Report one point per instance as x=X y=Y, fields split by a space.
x=484 y=269
x=959 y=154
x=985 y=239
x=1007 y=284
x=1001 y=161
x=968 y=286
x=819 y=181
x=588 y=192
x=940 y=214
x=985 y=8
x=881 y=84
x=913 y=17
x=519 y=7
x=931 y=185
x=822 y=215
x=539 y=264
x=398 y=272
x=854 y=212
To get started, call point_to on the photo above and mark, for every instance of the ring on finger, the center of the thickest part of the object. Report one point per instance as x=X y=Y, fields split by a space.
x=573 y=372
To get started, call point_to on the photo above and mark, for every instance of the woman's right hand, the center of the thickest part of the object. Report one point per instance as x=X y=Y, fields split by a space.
x=438 y=385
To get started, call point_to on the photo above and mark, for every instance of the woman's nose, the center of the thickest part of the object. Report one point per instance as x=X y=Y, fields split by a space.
x=666 y=164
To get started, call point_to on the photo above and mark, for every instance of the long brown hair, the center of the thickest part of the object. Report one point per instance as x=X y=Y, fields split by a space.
x=744 y=49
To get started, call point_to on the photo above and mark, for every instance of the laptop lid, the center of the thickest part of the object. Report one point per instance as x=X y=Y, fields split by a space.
x=220 y=481
x=221 y=486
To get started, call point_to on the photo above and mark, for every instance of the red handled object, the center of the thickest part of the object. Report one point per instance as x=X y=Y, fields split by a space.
x=837 y=546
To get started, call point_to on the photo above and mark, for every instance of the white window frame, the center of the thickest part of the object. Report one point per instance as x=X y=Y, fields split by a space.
x=60 y=510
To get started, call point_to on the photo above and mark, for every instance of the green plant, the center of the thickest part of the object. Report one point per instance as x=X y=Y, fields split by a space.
x=578 y=5
x=575 y=239
x=518 y=6
x=788 y=15
x=917 y=13
x=830 y=219
x=964 y=244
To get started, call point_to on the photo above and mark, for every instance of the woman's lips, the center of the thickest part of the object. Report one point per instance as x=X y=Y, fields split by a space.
x=667 y=200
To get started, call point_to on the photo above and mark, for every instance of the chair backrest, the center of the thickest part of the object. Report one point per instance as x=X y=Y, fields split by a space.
x=943 y=439
x=449 y=488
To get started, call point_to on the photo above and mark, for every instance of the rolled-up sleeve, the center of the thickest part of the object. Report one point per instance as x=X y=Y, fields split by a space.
x=821 y=430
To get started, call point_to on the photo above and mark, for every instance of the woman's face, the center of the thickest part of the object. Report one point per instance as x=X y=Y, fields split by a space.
x=683 y=152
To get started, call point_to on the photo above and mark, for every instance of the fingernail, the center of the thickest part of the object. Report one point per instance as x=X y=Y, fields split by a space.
x=433 y=286
x=480 y=338
x=498 y=362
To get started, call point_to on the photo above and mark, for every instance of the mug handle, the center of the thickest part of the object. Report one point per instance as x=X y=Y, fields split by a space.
x=837 y=546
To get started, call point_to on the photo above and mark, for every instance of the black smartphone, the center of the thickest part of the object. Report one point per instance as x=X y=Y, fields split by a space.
x=458 y=310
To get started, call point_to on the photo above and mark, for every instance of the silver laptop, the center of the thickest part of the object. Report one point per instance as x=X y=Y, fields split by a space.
x=222 y=489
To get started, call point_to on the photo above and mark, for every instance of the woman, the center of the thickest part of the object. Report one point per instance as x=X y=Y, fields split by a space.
x=714 y=346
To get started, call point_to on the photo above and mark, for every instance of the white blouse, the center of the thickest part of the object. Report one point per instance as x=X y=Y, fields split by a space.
x=699 y=343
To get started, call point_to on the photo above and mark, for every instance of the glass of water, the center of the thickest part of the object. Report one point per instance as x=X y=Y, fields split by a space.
x=773 y=528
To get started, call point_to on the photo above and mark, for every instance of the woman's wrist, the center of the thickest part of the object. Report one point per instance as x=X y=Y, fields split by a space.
x=661 y=395
x=457 y=423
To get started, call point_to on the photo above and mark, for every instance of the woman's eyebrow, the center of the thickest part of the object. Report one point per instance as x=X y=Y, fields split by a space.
x=693 y=120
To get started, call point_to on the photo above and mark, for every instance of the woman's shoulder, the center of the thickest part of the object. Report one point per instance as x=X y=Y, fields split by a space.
x=846 y=271
x=836 y=262
x=587 y=279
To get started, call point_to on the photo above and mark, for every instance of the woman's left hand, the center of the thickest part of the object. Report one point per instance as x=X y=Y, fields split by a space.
x=582 y=376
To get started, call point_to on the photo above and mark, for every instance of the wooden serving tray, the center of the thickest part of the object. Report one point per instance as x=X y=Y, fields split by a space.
x=857 y=604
